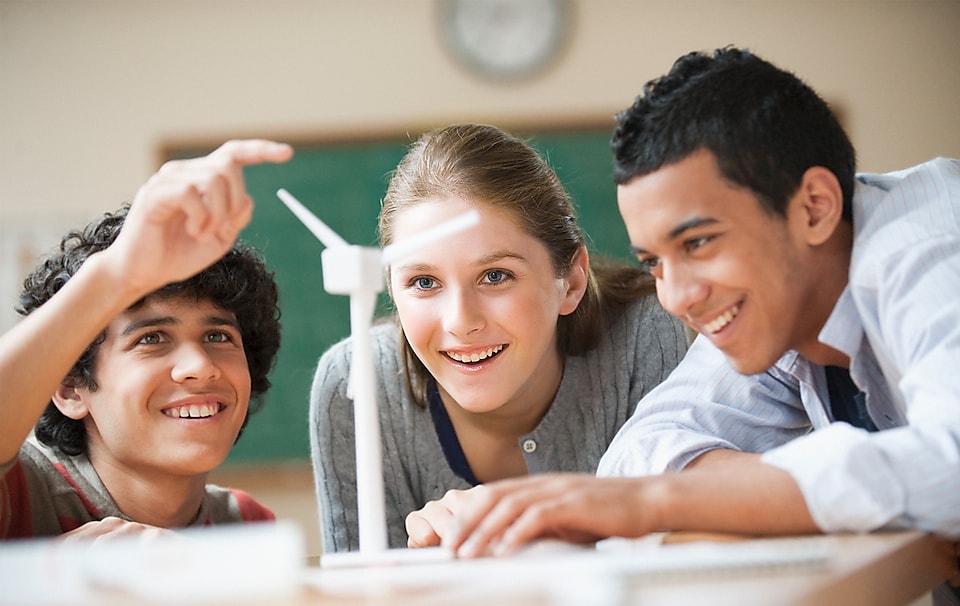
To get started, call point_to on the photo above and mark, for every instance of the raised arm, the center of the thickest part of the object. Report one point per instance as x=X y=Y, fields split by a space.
x=182 y=220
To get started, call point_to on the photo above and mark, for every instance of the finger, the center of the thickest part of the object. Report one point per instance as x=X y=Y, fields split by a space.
x=489 y=511
x=220 y=208
x=254 y=151
x=490 y=525
x=471 y=506
x=420 y=532
x=510 y=501
x=193 y=207
x=92 y=529
x=240 y=217
x=539 y=520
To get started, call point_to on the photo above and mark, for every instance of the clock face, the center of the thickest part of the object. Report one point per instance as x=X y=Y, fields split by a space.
x=505 y=39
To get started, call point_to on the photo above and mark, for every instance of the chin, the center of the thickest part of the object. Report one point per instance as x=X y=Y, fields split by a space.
x=750 y=366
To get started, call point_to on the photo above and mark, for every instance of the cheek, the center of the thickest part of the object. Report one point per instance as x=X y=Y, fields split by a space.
x=417 y=322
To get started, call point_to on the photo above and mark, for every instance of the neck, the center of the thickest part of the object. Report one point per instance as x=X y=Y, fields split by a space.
x=824 y=355
x=157 y=499
x=519 y=415
x=831 y=270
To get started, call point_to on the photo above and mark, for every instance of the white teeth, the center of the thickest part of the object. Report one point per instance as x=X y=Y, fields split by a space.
x=476 y=357
x=193 y=411
x=721 y=321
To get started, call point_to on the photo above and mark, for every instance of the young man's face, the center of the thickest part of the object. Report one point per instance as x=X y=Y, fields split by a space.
x=725 y=266
x=173 y=389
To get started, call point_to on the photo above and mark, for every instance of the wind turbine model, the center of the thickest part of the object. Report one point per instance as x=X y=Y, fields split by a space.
x=358 y=271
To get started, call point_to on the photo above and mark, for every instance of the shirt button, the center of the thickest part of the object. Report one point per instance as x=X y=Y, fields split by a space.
x=529 y=446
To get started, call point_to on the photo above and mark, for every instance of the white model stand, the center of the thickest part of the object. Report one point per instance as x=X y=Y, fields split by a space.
x=358 y=271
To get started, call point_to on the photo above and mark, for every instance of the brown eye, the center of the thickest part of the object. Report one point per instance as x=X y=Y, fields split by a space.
x=649 y=264
x=219 y=337
x=695 y=243
x=151 y=338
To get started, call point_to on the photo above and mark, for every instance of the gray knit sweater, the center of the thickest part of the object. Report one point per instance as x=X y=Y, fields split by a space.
x=598 y=392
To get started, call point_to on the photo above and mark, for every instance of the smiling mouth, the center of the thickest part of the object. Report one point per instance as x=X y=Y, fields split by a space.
x=474 y=357
x=194 y=411
x=718 y=323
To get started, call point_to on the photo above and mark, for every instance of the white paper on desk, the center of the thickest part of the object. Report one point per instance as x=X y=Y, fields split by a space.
x=203 y=564
x=553 y=566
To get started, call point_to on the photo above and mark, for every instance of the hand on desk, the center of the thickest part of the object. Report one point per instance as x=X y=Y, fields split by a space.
x=721 y=491
x=500 y=517
x=111 y=528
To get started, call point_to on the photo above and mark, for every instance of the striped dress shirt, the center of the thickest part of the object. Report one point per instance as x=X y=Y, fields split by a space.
x=899 y=322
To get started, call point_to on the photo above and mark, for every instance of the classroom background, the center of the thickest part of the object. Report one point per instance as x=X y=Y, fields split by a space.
x=96 y=94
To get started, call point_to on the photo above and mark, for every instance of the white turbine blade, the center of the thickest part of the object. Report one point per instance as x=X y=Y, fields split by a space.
x=318 y=228
x=397 y=250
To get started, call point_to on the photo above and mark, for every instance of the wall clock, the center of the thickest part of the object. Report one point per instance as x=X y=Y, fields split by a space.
x=505 y=39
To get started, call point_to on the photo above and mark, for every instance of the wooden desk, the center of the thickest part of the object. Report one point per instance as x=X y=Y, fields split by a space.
x=877 y=569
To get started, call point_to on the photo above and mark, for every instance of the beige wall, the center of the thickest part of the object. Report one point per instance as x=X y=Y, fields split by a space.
x=90 y=90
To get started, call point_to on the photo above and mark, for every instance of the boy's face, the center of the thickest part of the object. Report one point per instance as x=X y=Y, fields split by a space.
x=725 y=266
x=173 y=389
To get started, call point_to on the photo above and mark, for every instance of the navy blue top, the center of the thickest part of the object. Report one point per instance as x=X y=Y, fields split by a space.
x=448 y=437
x=846 y=400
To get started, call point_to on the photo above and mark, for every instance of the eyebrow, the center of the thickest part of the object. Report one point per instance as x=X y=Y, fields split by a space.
x=677 y=231
x=485 y=260
x=172 y=321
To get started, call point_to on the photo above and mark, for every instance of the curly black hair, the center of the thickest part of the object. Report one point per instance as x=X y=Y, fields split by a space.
x=239 y=283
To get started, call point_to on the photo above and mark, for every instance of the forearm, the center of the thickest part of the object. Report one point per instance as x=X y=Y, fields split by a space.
x=729 y=491
x=38 y=352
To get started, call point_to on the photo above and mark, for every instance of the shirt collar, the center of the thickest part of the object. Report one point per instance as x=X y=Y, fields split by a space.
x=843 y=330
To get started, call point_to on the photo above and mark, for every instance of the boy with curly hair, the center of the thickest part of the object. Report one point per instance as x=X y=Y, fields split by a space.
x=146 y=336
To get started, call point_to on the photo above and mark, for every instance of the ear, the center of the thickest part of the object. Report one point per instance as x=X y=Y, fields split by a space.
x=576 y=281
x=819 y=202
x=69 y=400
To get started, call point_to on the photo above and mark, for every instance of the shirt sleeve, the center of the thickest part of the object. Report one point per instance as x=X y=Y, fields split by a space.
x=250 y=509
x=705 y=405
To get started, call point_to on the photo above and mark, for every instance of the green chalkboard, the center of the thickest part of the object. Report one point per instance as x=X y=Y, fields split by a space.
x=343 y=183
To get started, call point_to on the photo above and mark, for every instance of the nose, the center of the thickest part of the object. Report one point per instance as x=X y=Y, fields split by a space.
x=462 y=313
x=680 y=290
x=193 y=362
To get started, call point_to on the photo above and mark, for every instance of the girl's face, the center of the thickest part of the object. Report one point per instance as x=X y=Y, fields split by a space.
x=480 y=308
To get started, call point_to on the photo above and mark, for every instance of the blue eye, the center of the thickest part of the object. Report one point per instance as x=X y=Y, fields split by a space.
x=495 y=276
x=423 y=283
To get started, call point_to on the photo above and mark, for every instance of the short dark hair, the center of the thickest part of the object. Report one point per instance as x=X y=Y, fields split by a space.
x=763 y=125
x=239 y=283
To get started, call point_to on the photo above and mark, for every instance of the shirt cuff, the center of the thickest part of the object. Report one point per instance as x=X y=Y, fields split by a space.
x=845 y=480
